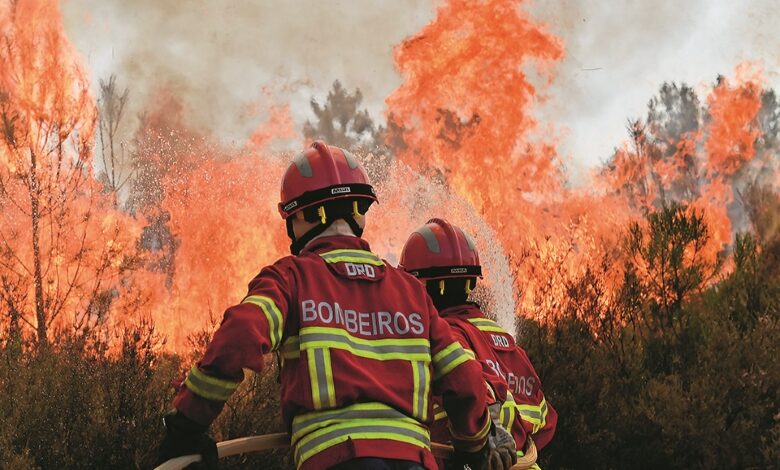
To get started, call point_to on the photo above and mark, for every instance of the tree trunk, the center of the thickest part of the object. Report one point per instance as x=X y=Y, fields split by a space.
x=40 y=313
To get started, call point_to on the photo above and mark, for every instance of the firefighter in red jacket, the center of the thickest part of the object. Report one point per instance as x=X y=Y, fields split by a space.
x=446 y=260
x=362 y=347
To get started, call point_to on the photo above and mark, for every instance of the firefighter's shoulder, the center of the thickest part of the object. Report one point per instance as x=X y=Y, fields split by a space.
x=278 y=272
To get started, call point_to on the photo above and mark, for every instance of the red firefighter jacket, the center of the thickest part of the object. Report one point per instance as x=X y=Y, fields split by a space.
x=362 y=351
x=525 y=411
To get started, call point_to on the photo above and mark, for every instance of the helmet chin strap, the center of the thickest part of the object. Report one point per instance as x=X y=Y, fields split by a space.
x=297 y=244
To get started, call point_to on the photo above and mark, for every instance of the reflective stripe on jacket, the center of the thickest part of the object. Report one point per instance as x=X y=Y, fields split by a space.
x=362 y=351
x=525 y=411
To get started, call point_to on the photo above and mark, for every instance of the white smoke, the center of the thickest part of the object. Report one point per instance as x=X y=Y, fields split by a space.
x=407 y=200
x=224 y=58
x=619 y=53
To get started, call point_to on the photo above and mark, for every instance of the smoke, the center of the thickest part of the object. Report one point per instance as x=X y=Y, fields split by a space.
x=229 y=61
x=619 y=53
x=226 y=58
x=421 y=198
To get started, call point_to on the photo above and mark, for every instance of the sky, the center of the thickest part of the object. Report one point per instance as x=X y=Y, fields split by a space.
x=227 y=56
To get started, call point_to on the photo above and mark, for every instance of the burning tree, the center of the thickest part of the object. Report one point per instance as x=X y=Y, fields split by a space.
x=63 y=247
x=340 y=121
x=686 y=150
x=117 y=169
x=668 y=264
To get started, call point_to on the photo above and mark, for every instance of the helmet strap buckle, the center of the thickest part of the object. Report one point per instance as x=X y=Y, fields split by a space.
x=298 y=243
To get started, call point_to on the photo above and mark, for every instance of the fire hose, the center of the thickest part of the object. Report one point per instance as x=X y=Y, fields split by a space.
x=245 y=445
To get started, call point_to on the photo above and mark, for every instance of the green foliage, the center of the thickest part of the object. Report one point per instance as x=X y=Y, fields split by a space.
x=72 y=405
x=674 y=113
x=668 y=255
x=254 y=409
x=690 y=380
x=77 y=404
x=672 y=371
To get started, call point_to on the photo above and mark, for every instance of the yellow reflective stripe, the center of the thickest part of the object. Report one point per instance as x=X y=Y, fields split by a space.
x=470 y=353
x=321 y=377
x=507 y=412
x=530 y=416
x=351 y=259
x=543 y=422
x=426 y=388
x=272 y=313
x=421 y=379
x=315 y=383
x=534 y=414
x=448 y=359
x=484 y=324
x=306 y=423
x=360 y=428
x=478 y=439
x=352 y=256
x=331 y=388
x=452 y=347
x=291 y=348
x=408 y=349
x=209 y=388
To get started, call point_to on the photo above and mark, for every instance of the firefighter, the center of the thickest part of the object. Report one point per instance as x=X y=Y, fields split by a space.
x=362 y=348
x=445 y=259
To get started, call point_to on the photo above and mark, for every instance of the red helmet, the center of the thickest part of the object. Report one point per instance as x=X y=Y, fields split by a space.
x=322 y=173
x=439 y=250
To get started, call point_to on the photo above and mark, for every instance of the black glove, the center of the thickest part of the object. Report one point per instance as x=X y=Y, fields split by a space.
x=498 y=453
x=184 y=436
x=469 y=460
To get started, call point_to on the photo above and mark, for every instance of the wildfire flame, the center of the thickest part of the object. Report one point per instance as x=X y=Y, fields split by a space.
x=63 y=242
x=467 y=148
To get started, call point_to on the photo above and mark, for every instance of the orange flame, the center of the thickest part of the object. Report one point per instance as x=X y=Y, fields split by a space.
x=468 y=149
x=65 y=249
x=220 y=206
x=466 y=112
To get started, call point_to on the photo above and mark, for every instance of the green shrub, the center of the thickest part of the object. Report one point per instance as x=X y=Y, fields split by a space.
x=690 y=381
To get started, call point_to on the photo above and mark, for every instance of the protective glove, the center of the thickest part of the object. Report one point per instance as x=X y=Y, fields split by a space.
x=503 y=452
x=184 y=436
x=499 y=453
x=469 y=460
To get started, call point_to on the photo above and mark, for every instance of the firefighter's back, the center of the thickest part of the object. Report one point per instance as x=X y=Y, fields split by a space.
x=356 y=353
x=526 y=410
x=361 y=343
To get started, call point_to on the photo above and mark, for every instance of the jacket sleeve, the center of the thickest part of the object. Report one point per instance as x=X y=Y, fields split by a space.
x=531 y=415
x=496 y=384
x=247 y=332
x=458 y=380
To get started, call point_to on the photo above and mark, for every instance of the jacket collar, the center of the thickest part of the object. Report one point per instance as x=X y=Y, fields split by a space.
x=336 y=242
x=469 y=310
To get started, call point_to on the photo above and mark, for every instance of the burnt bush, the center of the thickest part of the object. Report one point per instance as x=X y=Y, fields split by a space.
x=682 y=375
x=84 y=402
x=691 y=379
